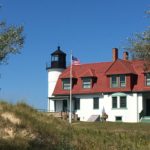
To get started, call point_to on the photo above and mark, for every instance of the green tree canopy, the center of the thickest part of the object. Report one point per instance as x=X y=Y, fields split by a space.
x=139 y=44
x=11 y=40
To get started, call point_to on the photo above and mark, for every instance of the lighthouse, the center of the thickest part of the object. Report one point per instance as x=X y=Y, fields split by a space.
x=57 y=65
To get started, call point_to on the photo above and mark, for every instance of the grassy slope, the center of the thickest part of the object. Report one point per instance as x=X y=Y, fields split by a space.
x=39 y=131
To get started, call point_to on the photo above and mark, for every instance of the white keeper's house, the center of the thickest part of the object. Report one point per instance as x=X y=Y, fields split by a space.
x=120 y=88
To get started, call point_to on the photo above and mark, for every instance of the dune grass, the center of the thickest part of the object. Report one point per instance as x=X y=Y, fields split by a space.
x=112 y=136
x=38 y=131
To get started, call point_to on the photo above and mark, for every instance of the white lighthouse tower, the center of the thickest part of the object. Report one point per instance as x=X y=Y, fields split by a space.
x=58 y=64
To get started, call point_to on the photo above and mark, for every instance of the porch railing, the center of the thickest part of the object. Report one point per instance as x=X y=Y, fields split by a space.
x=63 y=115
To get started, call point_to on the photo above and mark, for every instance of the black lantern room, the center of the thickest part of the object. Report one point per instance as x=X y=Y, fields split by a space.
x=58 y=59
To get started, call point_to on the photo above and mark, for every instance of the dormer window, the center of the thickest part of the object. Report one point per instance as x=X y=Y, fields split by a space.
x=118 y=81
x=147 y=76
x=88 y=78
x=114 y=81
x=122 y=81
x=86 y=83
x=66 y=84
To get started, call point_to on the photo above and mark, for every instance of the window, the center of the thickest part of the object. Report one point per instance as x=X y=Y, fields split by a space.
x=119 y=102
x=86 y=83
x=118 y=81
x=122 y=81
x=55 y=58
x=123 y=102
x=114 y=102
x=114 y=81
x=66 y=84
x=77 y=103
x=119 y=118
x=148 y=79
x=95 y=102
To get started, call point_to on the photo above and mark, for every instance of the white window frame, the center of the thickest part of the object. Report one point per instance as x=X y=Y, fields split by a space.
x=119 y=102
x=147 y=79
x=125 y=101
x=86 y=84
x=116 y=102
x=122 y=83
x=115 y=84
x=66 y=84
x=96 y=103
x=118 y=83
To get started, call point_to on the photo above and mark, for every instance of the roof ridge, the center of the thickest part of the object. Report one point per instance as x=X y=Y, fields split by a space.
x=125 y=64
x=94 y=63
x=110 y=66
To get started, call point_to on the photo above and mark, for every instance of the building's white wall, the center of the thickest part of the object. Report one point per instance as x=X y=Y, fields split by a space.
x=51 y=105
x=129 y=114
x=53 y=75
x=86 y=107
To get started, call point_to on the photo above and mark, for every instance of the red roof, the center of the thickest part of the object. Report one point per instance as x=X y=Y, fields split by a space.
x=88 y=73
x=121 y=67
x=66 y=74
x=133 y=69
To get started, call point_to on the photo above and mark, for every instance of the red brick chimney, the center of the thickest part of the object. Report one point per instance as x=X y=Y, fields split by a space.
x=115 y=54
x=125 y=55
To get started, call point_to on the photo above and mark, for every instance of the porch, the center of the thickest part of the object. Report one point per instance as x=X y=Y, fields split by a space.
x=59 y=107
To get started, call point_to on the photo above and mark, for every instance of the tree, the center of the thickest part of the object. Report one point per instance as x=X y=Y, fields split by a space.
x=11 y=40
x=139 y=44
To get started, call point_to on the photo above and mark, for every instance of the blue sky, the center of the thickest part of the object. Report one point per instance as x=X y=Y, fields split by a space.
x=90 y=28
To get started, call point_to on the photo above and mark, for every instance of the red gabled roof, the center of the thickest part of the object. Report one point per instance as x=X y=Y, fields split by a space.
x=139 y=67
x=101 y=71
x=98 y=70
x=121 y=67
x=88 y=73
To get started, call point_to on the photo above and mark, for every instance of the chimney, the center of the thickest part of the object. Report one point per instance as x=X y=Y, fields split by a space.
x=125 y=55
x=115 y=54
